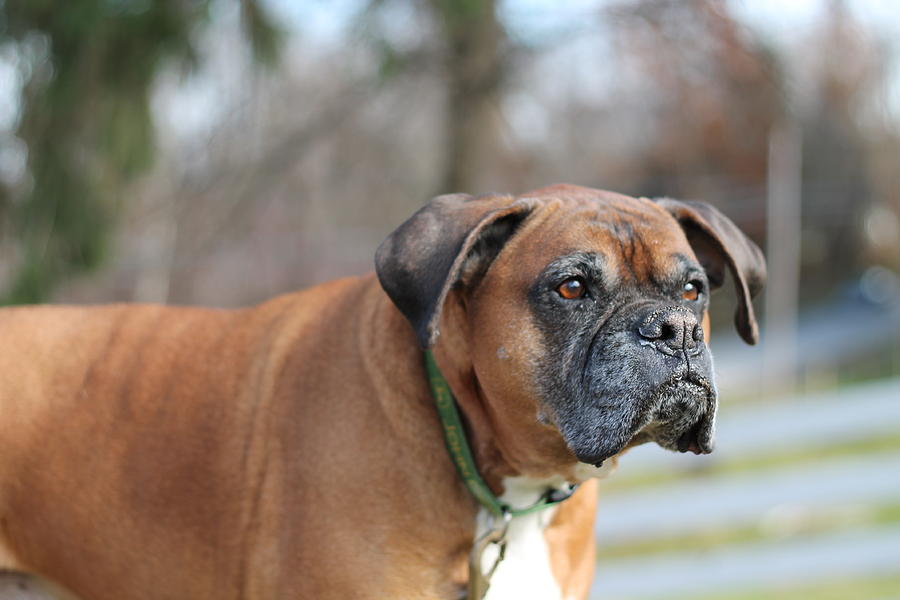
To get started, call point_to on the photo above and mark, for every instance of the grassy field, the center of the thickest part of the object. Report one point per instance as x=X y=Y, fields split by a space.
x=808 y=524
x=882 y=588
x=761 y=462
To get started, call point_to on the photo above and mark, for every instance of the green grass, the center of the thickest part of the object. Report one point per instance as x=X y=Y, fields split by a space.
x=756 y=462
x=809 y=523
x=872 y=588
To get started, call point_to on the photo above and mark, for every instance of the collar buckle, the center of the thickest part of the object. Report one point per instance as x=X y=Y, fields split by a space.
x=479 y=578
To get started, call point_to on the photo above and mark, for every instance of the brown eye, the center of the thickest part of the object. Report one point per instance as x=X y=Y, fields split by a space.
x=691 y=291
x=571 y=289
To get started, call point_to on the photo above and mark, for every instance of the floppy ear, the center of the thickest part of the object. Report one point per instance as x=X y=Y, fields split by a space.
x=452 y=237
x=718 y=242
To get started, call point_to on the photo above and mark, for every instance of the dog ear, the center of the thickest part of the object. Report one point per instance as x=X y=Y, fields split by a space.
x=452 y=238
x=718 y=242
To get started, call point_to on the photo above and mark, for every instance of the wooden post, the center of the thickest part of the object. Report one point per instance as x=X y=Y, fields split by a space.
x=783 y=237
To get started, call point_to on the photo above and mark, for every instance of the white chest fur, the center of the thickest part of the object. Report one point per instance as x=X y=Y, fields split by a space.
x=525 y=572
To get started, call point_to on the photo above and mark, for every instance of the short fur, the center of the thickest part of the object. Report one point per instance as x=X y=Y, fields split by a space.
x=292 y=450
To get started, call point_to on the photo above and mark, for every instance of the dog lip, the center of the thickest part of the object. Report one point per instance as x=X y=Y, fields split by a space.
x=690 y=377
x=690 y=440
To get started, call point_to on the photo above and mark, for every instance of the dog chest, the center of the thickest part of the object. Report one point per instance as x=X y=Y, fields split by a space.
x=524 y=573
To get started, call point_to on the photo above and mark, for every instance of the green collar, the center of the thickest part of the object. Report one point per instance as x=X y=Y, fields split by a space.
x=458 y=446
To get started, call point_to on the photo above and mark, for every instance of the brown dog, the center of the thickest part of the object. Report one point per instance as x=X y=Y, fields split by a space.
x=292 y=450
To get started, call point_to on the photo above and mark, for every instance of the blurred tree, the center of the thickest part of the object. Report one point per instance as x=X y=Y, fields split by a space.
x=846 y=74
x=88 y=69
x=718 y=93
x=470 y=52
x=407 y=98
x=475 y=63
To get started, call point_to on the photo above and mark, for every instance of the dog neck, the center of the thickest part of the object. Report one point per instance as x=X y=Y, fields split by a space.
x=504 y=443
x=452 y=354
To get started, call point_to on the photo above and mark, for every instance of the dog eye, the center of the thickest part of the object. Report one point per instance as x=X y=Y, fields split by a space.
x=692 y=290
x=572 y=289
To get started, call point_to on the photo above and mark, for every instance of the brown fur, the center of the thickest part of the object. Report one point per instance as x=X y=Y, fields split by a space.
x=154 y=452
x=291 y=449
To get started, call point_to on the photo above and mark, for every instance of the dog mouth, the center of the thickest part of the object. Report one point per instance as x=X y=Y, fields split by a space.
x=692 y=440
x=673 y=405
x=679 y=416
x=682 y=418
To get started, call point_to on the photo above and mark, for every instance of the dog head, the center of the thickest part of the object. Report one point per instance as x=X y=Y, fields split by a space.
x=583 y=311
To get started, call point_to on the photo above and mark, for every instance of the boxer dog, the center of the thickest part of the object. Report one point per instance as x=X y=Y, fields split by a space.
x=293 y=449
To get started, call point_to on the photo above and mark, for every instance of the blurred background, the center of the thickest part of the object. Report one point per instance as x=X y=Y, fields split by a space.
x=220 y=152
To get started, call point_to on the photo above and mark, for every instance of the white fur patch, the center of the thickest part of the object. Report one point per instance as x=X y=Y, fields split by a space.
x=585 y=471
x=525 y=572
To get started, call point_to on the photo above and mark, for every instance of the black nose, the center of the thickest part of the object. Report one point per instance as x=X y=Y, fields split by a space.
x=672 y=328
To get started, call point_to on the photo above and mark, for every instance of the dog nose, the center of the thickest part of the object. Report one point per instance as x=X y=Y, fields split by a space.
x=676 y=327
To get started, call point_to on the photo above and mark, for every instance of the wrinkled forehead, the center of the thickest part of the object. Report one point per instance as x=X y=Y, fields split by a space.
x=634 y=237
